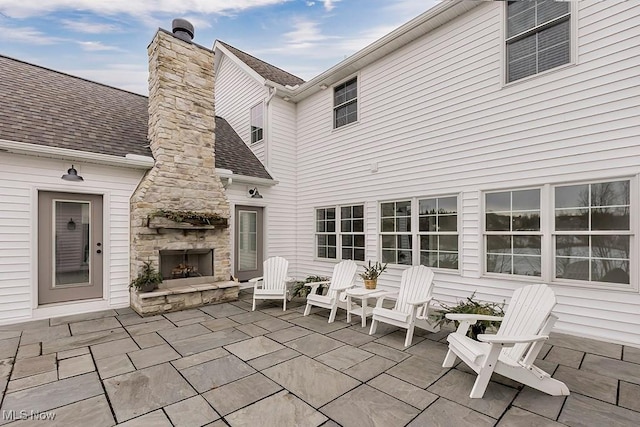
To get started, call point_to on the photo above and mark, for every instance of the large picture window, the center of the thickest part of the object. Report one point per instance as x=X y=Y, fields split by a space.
x=438 y=232
x=538 y=37
x=593 y=232
x=346 y=241
x=345 y=103
x=512 y=232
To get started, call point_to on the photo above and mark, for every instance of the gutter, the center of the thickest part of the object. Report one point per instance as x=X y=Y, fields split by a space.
x=133 y=161
x=245 y=179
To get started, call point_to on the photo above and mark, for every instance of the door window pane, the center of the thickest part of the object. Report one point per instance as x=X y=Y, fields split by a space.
x=71 y=243
x=248 y=244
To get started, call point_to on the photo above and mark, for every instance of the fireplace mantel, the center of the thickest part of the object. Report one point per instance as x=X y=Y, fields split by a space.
x=160 y=223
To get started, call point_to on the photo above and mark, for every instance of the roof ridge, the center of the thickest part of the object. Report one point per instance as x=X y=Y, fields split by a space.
x=71 y=75
x=258 y=59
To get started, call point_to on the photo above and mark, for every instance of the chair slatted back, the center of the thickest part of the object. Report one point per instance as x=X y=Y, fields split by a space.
x=275 y=273
x=526 y=314
x=416 y=285
x=344 y=274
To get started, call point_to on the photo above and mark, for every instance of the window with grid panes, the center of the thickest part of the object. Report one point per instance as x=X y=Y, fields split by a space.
x=513 y=240
x=395 y=232
x=257 y=123
x=352 y=232
x=592 y=232
x=345 y=103
x=326 y=238
x=438 y=232
x=538 y=37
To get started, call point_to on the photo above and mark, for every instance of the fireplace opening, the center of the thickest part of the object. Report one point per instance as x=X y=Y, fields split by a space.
x=186 y=263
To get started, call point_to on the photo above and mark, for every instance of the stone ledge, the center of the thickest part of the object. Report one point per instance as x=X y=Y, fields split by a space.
x=183 y=297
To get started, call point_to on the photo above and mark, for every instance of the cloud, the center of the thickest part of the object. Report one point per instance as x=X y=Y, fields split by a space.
x=27 y=35
x=89 y=27
x=124 y=76
x=27 y=8
x=311 y=3
x=329 y=4
x=96 y=46
x=305 y=34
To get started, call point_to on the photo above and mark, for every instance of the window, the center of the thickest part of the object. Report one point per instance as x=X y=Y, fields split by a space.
x=395 y=226
x=348 y=240
x=345 y=103
x=257 y=123
x=326 y=246
x=512 y=232
x=592 y=232
x=352 y=232
x=438 y=232
x=538 y=37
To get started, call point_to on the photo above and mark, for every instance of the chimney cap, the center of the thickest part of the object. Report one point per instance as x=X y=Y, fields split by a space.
x=183 y=29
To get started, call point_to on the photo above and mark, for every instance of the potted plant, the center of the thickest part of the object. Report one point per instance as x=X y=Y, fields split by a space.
x=471 y=306
x=300 y=289
x=148 y=279
x=371 y=273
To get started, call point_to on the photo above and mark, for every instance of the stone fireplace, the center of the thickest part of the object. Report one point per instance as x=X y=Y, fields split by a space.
x=183 y=180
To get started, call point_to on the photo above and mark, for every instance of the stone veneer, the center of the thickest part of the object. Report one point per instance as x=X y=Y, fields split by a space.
x=183 y=297
x=181 y=132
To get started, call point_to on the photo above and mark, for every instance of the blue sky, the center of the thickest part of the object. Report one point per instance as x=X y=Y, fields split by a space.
x=106 y=40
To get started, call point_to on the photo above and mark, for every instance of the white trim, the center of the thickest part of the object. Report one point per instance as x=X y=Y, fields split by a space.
x=245 y=179
x=129 y=161
x=238 y=62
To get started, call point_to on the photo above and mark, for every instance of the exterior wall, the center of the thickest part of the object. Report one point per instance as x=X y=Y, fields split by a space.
x=20 y=179
x=235 y=93
x=437 y=120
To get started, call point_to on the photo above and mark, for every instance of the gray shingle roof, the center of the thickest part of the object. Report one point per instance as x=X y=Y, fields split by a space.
x=232 y=153
x=45 y=107
x=266 y=70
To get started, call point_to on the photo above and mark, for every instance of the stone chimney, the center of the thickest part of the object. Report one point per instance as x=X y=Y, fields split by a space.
x=181 y=132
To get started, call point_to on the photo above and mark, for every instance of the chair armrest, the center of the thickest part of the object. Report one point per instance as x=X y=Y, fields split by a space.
x=255 y=279
x=344 y=288
x=420 y=302
x=501 y=339
x=462 y=317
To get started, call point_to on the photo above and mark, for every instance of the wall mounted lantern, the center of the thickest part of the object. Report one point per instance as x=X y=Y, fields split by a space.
x=72 y=175
x=254 y=193
x=71 y=225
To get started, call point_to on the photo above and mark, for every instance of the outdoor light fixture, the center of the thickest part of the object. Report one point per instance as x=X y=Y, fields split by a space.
x=72 y=175
x=254 y=193
x=71 y=225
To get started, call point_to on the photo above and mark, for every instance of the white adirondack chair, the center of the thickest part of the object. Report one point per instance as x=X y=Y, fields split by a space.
x=412 y=304
x=512 y=351
x=344 y=274
x=273 y=283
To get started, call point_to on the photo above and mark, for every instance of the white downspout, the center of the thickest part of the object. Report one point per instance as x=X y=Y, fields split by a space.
x=267 y=142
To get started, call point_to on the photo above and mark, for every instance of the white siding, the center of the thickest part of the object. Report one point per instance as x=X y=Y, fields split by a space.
x=436 y=119
x=235 y=93
x=20 y=178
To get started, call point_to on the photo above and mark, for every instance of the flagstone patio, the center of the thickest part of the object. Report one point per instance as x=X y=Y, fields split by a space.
x=225 y=365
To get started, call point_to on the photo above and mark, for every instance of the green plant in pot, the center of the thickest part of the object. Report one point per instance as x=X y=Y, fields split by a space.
x=301 y=290
x=371 y=274
x=471 y=306
x=148 y=279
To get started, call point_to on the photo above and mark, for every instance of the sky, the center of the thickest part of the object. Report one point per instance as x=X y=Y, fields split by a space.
x=106 y=40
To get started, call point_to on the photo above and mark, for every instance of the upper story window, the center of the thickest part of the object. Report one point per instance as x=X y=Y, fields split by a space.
x=513 y=239
x=345 y=103
x=538 y=37
x=257 y=123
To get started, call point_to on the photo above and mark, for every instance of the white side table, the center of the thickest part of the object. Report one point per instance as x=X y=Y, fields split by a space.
x=363 y=310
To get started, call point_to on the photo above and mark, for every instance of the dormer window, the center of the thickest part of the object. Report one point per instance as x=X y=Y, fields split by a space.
x=257 y=123
x=345 y=103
